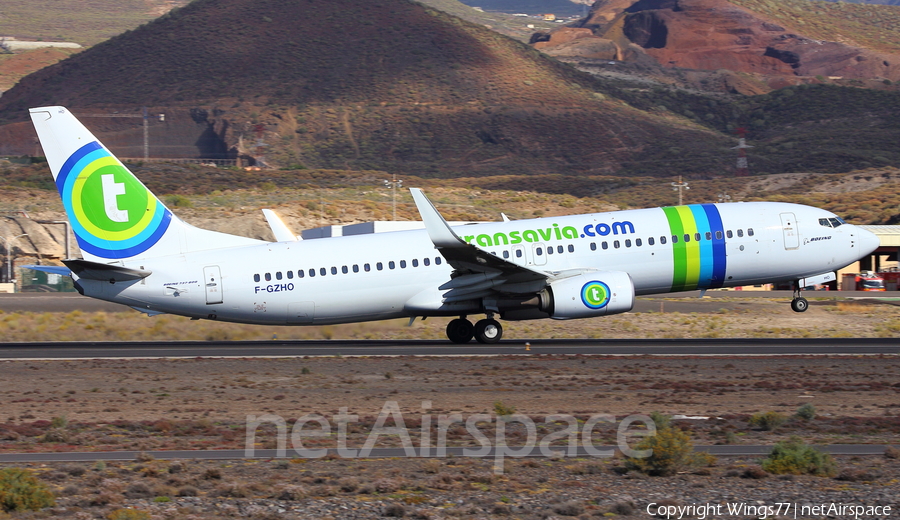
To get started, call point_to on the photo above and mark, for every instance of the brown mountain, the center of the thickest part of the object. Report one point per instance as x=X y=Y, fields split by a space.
x=741 y=35
x=380 y=84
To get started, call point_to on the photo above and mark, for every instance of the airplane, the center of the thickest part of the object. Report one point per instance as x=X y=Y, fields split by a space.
x=136 y=252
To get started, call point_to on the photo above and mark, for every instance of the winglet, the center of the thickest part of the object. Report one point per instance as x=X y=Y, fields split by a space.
x=279 y=228
x=438 y=229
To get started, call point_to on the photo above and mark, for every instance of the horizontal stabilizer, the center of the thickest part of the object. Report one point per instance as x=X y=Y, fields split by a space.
x=53 y=269
x=98 y=271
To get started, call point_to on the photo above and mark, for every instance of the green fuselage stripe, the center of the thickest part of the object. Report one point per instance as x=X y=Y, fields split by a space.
x=679 y=253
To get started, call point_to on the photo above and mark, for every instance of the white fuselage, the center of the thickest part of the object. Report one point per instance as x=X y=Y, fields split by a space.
x=375 y=276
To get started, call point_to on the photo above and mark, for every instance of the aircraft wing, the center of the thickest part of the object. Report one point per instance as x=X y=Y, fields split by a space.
x=476 y=272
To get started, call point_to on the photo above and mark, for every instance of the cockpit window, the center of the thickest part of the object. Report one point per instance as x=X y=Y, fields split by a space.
x=824 y=222
x=836 y=221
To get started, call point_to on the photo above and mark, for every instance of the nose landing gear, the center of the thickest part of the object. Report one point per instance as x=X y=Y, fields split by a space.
x=487 y=330
x=799 y=303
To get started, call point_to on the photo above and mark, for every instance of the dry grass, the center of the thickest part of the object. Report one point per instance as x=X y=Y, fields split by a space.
x=824 y=319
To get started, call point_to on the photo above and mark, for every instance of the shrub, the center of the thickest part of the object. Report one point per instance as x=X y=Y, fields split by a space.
x=395 y=510
x=570 y=508
x=128 y=514
x=671 y=452
x=661 y=420
x=19 y=490
x=502 y=410
x=806 y=412
x=795 y=457
x=891 y=453
x=768 y=421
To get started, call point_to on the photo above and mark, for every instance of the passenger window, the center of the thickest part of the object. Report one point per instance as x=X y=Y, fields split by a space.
x=697 y=237
x=322 y=271
x=355 y=268
x=312 y=273
x=415 y=262
x=256 y=278
x=662 y=240
x=550 y=250
x=367 y=267
x=637 y=242
x=379 y=266
x=278 y=275
x=539 y=251
x=571 y=248
x=749 y=231
x=740 y=232
x=593 y=246
x=674 y=239
x=604 y=245
x=650 y=241
x=718 y=235
x=268 y=277
x=709 y=235
x=402 y=264
x=300 y=273
x=687 y=237
x=290 y=275
x=426 y=261
x=391 y=264
x=344 y=269
x=505 y=254
x=729 y=234
x=627 y=242
x=333 y=270
x=437 y=260
x=616 y=244
x=559 y=249
x=518 y=253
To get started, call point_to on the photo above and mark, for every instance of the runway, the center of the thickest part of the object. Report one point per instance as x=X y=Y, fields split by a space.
x=380 y=453
x=553 y=347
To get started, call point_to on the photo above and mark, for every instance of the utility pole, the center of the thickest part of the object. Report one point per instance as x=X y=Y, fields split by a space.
x=393 y=184
x=680 y=185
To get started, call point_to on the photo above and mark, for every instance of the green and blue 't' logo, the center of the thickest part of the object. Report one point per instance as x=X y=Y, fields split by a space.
x=595 y=295
x=112 y=214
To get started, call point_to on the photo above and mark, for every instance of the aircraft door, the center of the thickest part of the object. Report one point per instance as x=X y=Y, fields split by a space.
x=212 y=280
x=789 y=227
x=539 y=253
x=518 y=255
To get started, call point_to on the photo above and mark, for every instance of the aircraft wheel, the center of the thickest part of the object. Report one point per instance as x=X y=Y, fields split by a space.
x=799 y=304
x=488 y=331
x=460 y=330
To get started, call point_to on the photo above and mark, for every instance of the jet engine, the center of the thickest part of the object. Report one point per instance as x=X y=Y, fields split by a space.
x=597 y=293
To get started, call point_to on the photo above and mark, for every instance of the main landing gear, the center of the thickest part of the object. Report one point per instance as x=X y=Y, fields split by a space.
x=461 y=330
x=799 y=303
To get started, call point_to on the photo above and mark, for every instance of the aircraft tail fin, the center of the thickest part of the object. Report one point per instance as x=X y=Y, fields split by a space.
x=113 y=215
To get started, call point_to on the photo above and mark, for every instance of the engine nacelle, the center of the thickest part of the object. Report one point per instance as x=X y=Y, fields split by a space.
x=598 y=293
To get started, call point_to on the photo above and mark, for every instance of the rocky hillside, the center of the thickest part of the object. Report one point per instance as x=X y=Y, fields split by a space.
x=388 y=84
x=786 y=38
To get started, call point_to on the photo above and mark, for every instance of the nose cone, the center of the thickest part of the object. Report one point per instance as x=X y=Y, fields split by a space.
x=868 y=241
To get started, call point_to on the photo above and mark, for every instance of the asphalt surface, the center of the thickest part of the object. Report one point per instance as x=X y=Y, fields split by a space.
x=379 y=453
x=296 y=348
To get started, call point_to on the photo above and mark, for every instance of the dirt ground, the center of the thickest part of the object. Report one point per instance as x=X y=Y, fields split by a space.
x=203 y=403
